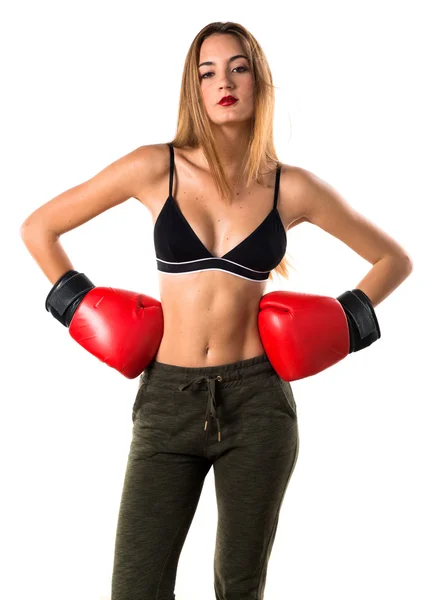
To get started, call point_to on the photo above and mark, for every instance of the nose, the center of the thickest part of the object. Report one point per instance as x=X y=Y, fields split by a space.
x=228 y=84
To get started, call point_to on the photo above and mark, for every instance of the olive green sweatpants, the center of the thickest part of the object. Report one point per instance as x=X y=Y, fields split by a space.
x=242 y=419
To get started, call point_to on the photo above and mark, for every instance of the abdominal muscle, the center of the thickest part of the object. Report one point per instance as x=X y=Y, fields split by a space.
x=210 y=318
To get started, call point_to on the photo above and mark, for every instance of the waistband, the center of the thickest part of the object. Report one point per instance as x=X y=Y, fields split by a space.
x=172 y=377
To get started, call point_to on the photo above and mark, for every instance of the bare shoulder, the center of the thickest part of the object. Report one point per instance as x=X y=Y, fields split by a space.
x=153 y=163
x=301 y=192
x=312 y=199
x=291 y=205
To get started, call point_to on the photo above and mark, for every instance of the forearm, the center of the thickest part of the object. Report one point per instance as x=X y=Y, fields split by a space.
x=384 y=277
x=47 y=251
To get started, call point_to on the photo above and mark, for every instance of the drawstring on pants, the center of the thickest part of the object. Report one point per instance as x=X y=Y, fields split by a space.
x=211 y=402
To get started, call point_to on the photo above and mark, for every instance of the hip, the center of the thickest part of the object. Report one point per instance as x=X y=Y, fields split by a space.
x=232 y=399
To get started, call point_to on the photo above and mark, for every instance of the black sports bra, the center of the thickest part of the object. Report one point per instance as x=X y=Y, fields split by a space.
x=179 y=250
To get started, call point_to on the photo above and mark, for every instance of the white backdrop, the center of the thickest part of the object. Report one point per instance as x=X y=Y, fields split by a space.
x=84 y=84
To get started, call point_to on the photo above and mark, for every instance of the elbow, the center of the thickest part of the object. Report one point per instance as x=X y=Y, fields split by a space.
x=30 y=230
x=402 y=261
x=27 y=225
x=23 y=228
x=23 y=231
x=409 y=263
x=26 y=231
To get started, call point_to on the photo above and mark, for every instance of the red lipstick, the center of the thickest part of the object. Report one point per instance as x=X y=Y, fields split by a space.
x=228 y=100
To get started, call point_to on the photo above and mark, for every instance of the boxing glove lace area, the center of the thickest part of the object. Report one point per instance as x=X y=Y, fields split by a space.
x=66 y=295
x=362 y=320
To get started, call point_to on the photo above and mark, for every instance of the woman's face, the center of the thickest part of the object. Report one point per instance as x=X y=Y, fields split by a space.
x=226 y=77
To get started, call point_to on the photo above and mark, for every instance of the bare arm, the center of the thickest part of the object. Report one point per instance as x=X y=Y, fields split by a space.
x=323 y=206
x=116 y=183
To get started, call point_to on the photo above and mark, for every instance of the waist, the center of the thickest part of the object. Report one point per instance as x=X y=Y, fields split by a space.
x=204 y=346
x=169 y=375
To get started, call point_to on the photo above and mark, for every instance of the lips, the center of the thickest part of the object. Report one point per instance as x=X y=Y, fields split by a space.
x=228 y=100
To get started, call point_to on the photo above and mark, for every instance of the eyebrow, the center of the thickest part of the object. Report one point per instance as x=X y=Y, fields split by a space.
x=209 y=62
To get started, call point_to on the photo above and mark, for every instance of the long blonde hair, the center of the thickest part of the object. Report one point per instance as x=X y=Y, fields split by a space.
x=193 y=127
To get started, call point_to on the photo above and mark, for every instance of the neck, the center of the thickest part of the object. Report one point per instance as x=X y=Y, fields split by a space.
x=231 y=144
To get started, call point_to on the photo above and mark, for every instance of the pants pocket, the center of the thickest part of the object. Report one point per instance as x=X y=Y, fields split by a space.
x=287 y=396
x=137 y=403
x=154 y=412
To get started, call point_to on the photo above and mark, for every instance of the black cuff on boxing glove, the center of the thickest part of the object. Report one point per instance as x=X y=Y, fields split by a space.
x=362 y=320
x=65 y=296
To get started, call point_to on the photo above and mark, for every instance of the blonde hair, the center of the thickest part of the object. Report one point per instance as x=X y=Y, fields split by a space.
x=193 y=126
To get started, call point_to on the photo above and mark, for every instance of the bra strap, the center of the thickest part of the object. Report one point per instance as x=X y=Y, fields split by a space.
x=172 y=166
x=277 y=186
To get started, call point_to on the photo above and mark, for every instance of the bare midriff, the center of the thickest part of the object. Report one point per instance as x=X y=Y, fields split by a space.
x=210 y=318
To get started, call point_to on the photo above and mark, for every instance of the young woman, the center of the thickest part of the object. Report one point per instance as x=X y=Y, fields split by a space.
x=221 y=203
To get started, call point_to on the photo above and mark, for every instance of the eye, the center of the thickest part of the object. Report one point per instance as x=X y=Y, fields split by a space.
x=210 y=72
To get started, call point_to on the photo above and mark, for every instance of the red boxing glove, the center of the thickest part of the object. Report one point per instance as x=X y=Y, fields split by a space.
x=302 y=334
x=121 y=328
